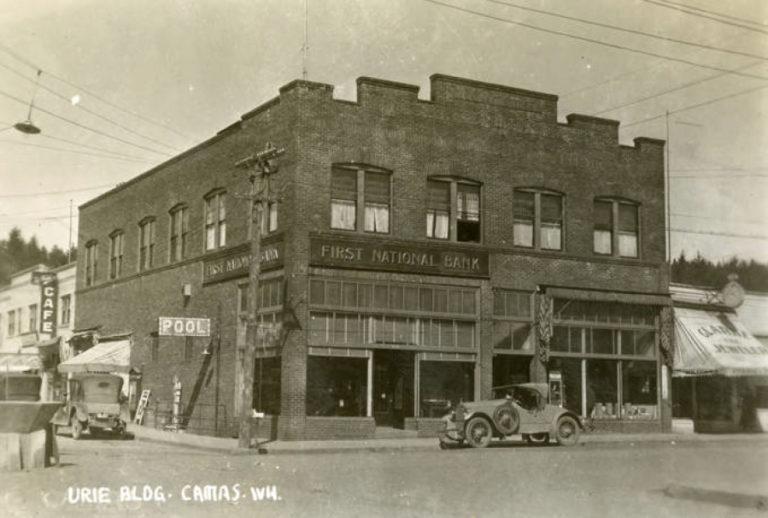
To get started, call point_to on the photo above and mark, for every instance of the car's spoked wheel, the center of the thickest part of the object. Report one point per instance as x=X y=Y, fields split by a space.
x=567 y=432
x=537 y=439
x=478 y=432
x=77 y=429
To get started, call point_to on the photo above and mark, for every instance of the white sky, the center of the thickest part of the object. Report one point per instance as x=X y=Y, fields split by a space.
x=195 y=67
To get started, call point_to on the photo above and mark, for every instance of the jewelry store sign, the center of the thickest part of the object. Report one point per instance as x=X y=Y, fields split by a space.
x=238 y=262
x=412 y=258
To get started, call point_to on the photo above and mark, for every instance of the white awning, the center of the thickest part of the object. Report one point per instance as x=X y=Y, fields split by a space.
x=710 y=342
x=104 y=357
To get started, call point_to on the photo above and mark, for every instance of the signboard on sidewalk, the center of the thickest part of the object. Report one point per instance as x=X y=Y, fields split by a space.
x=183 y=326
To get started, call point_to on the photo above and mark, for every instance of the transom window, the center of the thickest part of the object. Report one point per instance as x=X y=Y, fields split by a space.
x=146 y=243
x=360 y=193
x=116 y=254
x=453 y=210
x=616 y=228
x=91 y=262
x=179 y=232
x=538 y=219
x=215 y=221
x=512 y=321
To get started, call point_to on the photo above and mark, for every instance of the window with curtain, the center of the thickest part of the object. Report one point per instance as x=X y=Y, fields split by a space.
x=116 y=254
x=179 y=232
x=616 y=228
x=215 y=221
x=377 y=198
x=603 y=230
x=524 y=214
x=463 y=225
x=343 y=199
x=538 y=219
x=146 y=243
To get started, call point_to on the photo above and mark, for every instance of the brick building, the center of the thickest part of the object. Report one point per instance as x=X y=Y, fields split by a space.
x=427 y=251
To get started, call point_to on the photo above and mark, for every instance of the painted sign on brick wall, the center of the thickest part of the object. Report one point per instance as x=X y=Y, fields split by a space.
x=238 y=262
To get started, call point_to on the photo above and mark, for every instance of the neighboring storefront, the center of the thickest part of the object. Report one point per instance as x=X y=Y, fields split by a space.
x=720 y=368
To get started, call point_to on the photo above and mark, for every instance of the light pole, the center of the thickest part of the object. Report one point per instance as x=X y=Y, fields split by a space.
x=260 y=166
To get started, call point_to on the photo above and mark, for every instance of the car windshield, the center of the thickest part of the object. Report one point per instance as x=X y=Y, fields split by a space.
x=525 y=397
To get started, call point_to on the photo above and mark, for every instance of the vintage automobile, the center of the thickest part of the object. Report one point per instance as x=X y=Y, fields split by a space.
x=95 y=404
x=523 y=410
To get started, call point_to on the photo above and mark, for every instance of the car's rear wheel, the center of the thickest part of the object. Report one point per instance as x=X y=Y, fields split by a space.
x=478 y=432
x=567 y=431
x=77 y=429
x=537 y=439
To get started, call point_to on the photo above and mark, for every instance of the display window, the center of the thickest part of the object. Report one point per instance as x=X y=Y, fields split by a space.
x=266 y=385
x=443 y=385
x=638 y=390
x=336 y=386
x=511 y=369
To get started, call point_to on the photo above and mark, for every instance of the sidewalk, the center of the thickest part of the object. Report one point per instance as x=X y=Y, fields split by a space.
x=229 y=446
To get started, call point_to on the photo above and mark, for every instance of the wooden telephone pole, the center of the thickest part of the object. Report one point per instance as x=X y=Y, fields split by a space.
x=260 y=167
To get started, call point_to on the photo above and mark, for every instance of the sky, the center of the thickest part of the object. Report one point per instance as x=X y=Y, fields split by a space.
x=127 y=84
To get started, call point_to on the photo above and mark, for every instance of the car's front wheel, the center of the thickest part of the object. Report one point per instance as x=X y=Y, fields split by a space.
x=77 y=429
x=567 y=431
x=478 y=432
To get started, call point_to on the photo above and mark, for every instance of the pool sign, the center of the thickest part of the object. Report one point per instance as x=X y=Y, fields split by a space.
x=181 y=326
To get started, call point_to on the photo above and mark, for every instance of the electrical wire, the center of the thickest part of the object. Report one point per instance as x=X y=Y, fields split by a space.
x=91 y=112
x=713 y=233
x=77 y=152
x=94 y=148
x=721 y=15
x=594 y=41
x=630 y=31
x=693 y=106
x=83 y=126
x=671 y=90
x=27 y=62
x=700 y=15
x=32 y=195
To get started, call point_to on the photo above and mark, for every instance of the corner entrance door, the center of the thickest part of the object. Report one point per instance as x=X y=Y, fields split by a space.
x=392 y=387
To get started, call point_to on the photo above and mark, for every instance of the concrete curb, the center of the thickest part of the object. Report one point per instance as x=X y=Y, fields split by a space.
x=229 y=446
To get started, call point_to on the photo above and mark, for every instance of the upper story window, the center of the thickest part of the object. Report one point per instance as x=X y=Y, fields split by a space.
x=116 y=254
x=32 y=318
x=11 y=322
x=66 y=309
x=453 y=210
x=215 y=221
x=538 y=219
x=91 y=262
x=616 y=228
x=269 y=219
x=360 y=194
x=146 y=243
x=179 y=232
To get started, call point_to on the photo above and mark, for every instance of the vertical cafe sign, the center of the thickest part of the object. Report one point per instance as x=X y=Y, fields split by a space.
x=49 y=295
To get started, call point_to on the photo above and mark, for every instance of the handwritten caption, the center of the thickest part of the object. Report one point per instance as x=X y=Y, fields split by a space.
x=157 y=494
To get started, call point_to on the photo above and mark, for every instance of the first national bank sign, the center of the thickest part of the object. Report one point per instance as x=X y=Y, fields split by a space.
x=412 y=258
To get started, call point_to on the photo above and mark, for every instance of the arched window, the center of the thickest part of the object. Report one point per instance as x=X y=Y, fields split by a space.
x=146 y=243
x=179 y=232
x=616 y=227
x=91 y=261
x=215 y=220
x=116 y=254
x=538 y=219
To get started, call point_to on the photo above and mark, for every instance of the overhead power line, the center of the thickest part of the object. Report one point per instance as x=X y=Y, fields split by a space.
x=83 y=126
x=94 y=148
x=87 y=110
x=720 y=15
x=693 y=106
x=77 y=152
x=713 y=233
x=671 y=90
x=630 y=31
x=596 y=42
x=65 y=191
x=27 y=62
x=668 y=5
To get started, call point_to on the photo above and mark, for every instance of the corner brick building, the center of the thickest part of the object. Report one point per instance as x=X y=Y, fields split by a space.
x=423 y=252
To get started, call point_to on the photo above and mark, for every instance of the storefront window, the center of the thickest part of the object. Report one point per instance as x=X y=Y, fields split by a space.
x=570 y=369
x=336 y=386
x=266 y=386
x=509 y=369
x=443 y=384
x=602 y=389
x=638 y=390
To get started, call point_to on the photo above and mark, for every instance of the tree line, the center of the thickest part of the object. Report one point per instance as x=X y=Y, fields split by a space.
x=17 y=253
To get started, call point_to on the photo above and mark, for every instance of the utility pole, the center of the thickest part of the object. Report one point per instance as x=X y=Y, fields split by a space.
x=260 y=167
